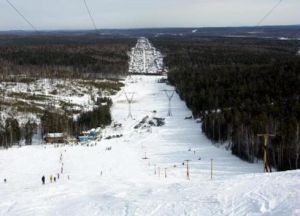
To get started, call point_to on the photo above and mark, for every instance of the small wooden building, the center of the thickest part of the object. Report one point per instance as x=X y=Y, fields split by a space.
x=55 y=138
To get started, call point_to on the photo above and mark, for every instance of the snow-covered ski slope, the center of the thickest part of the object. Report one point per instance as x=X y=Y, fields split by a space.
x=129 y=185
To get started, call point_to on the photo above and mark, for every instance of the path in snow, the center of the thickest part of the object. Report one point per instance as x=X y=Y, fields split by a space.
x=145 y=59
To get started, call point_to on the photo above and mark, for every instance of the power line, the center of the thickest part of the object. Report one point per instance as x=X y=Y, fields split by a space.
x=268 y=14
x=20 y=14
x=90 y=15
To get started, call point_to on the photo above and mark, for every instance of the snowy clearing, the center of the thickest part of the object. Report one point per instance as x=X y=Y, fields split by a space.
x=26 y=100
x=112 y=178
x=145 y=59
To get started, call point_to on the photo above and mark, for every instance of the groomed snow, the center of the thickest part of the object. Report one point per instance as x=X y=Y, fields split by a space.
x=128 y=184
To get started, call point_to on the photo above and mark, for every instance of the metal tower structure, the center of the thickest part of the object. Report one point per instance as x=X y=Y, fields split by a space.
x=169 y=94
x=129 y=97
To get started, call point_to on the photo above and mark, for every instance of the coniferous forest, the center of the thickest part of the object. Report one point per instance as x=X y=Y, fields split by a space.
x=241 y=87
x=100 y=116
x=64 y=56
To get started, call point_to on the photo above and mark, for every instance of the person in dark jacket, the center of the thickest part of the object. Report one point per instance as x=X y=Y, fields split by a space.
x=43 y=180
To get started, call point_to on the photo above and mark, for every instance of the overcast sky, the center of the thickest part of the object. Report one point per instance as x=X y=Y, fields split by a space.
x=72 y=14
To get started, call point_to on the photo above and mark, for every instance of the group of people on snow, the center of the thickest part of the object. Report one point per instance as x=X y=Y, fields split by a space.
x=54 y=178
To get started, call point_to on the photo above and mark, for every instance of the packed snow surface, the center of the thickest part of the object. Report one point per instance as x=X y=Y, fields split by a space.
x=114 y=178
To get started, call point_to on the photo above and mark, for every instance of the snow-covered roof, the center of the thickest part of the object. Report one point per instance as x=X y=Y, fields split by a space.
x=54 y=135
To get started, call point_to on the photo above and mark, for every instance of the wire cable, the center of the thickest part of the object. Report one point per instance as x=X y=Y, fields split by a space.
x=90 y=15
x=268 y=14
x=20 y=14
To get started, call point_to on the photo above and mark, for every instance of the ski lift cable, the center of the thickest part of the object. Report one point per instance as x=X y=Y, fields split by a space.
x=90 y=15
x=268 y=13
x=21 y=15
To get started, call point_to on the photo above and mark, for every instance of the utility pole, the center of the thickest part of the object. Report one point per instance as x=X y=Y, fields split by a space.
x=169 y=94
x=129 y=97
x=211 y=168
x=144 y=58
x=145 y=157
x=187 y=169
x=266 y=136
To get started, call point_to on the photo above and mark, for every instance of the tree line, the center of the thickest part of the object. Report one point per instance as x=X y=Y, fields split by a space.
x=61 y=122
x=64 y=57
x=241 y=87
x=11 y=132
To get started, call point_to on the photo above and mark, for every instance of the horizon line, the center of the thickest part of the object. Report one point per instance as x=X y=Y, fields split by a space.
x=145 y=28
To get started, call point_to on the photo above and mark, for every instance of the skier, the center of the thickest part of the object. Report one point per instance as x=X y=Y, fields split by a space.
x=54 y=179
x=57 y=176
x=62 y=170
x=43 y=180
x=51 y=178
x=5 y=180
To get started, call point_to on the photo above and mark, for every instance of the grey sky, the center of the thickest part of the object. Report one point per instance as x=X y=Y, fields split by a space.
x=71 y=14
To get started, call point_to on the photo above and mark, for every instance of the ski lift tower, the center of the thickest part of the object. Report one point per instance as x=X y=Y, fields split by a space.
x=169 y=94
